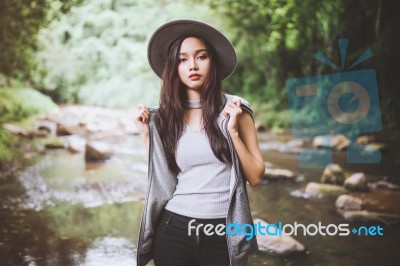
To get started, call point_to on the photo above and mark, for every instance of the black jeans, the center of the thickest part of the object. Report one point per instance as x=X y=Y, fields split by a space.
x=174 y=247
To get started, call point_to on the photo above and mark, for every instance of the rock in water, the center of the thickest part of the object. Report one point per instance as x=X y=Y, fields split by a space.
x=319 y=190
x=55 y=143
x=76 y=144
x=356 y=182
x=282 y=245
x=333 y=174
x=278 y=174
x=337 y=142
x=347 y=202
x=97 y=151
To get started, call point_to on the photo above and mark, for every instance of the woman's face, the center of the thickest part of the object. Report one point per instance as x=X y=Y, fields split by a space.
x=194 y=63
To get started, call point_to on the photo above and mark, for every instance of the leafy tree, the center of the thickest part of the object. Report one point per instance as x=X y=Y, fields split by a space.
x=96 y=55
x=277 y=40
x=20 y=23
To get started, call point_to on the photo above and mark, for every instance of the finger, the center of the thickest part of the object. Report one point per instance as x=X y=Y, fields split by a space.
x=145 y=118
x=141 y=116
x=229 y=111
x=236 y=101
x=235 y=104
x=226 y=111
x=143 y=111
x=234 y=111
x=139 y=119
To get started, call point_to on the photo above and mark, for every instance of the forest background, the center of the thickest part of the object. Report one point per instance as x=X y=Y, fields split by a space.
x=93 y=52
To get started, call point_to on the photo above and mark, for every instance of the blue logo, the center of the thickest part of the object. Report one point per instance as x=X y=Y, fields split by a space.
x=345 y=103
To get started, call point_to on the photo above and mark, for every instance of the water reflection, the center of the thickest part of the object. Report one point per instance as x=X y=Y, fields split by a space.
x=58 y=210
x=110 y=251
x=61 y=176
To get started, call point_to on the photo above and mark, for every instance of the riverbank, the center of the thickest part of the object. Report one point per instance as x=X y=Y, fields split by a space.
x=19 y=106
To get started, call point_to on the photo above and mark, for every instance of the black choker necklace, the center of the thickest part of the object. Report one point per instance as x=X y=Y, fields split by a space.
x=193 y=104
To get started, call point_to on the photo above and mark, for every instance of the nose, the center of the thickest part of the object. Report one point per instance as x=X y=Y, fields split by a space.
x=193 y=65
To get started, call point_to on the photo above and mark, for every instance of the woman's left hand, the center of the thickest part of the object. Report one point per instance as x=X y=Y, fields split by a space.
x=233 y=110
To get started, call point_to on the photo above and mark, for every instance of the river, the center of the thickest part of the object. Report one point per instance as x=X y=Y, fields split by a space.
x=58 y=210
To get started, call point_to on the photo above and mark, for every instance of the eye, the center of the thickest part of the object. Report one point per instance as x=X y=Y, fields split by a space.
x=202 y=57
x=182 y=60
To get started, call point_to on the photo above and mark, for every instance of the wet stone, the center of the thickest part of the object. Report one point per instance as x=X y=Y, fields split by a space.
x=356 y=182
x=333 y=174
x=347 y=202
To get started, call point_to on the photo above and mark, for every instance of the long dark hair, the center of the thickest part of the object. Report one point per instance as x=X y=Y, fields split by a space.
x=169 y=118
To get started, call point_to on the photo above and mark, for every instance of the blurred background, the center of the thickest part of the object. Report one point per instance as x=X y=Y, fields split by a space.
x=73 y=168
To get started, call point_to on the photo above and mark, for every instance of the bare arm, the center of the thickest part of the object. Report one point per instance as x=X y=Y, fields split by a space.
x=244 y=137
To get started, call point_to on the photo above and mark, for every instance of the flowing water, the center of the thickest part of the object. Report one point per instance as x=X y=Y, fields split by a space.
x=57 y=210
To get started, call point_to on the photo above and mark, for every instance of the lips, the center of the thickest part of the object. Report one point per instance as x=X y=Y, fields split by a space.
x=194 y=76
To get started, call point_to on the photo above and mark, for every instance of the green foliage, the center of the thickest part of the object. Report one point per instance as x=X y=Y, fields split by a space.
x=6 y=144
x=267 y=114
x=277 y=40
x=20 y=23
x=17 y=104
x=96 y=54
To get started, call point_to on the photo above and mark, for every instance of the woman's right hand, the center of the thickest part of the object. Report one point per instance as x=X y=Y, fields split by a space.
x=142 y=119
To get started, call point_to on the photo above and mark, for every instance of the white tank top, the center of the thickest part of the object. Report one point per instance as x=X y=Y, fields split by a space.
x=203 y=183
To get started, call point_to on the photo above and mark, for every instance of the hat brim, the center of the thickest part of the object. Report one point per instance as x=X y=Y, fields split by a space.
x=163 y=37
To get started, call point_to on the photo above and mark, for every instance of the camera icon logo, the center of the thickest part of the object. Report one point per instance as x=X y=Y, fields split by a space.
x=345 y=103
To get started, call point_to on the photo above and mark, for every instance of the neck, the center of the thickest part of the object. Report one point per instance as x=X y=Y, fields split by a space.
x=193 y=104
x=193 y=94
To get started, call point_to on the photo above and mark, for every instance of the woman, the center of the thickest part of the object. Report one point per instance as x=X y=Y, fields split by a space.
x=202 y=148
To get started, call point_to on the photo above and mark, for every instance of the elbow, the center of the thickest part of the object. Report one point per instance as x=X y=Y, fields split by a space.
x=258 y=177
x=255 y=183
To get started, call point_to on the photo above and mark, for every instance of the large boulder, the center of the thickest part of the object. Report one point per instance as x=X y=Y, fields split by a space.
x=97 y=151
x=347 y=202
x=282 y=245
x=333 y=174
x=319 y=190
x=356 y=182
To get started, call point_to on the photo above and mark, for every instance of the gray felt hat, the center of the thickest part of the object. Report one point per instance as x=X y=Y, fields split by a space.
x=165 y=35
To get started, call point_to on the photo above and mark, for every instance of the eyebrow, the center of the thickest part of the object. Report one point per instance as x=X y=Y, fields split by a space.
x=196 y=52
